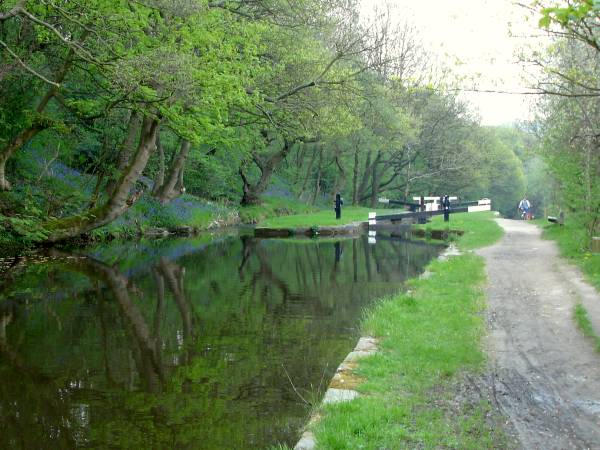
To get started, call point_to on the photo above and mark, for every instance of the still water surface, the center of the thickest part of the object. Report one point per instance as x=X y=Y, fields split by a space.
x=206 y=343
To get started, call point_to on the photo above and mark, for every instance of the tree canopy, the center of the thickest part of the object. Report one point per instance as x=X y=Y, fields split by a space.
x=220 y=100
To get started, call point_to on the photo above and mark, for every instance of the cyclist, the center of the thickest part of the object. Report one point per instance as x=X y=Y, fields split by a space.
x=524 y=207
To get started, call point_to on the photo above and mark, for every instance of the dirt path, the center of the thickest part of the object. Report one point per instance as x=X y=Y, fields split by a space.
x=545 y=376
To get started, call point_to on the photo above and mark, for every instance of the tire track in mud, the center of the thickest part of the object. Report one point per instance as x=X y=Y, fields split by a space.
x=543 y=374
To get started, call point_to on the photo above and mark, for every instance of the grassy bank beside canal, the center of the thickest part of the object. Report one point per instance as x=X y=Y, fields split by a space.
x=324 y=217
x=479 y=228
x=18 y=231
x=415 y=392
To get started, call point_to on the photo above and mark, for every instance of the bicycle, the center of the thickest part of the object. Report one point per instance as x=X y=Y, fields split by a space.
x=526 y=215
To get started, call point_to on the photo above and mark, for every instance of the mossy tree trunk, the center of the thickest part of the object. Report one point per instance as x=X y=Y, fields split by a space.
x=126 y=148
x=121 y=198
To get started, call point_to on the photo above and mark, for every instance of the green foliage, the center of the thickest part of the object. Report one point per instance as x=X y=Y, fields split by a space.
x=498 y=172
x=566 y=127
x=570 y=12
x=296 y=94
x=20 y=231
x=573 y=162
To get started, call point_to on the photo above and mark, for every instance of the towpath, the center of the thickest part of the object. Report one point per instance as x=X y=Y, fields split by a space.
x=544 y=375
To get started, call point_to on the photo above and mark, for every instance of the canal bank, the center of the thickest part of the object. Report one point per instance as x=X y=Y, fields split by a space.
x=416 y=389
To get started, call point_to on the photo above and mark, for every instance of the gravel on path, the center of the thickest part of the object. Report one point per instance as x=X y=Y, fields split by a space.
x=544 y=375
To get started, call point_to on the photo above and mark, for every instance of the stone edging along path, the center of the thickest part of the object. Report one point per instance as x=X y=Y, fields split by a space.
x=343 y=384
x=341 y=387
x=353 y=228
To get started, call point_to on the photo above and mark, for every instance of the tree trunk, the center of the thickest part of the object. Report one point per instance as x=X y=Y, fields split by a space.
x=120 y=200
x=318 y=181
x=308 y=171
x=96 y=193
x=375 y=182
x=355 y=178
x=168 y=190
x=101 y=174
x=407 y=185
x=180 y=187
x=299 y=163
x=365 y=178
x=374 y=188
x=12 y=147
x=340 y=179
x=126 y=148
x=160 y=176
x=252 y=192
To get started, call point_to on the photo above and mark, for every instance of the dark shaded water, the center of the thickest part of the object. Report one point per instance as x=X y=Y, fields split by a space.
x=184 y=343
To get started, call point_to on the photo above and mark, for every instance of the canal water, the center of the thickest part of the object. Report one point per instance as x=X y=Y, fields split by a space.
x=216 y=342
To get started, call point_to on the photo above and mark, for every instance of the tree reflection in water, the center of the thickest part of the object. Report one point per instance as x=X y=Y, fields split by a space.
x=167 y=351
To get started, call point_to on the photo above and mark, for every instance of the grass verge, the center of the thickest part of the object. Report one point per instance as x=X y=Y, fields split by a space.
x=414 y=393
x=574 y=244
x=274 y=207
x=324 y=217
x=479 y=228
x=583 y=322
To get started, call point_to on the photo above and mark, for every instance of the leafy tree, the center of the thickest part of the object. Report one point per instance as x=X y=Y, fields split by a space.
x=566 y=126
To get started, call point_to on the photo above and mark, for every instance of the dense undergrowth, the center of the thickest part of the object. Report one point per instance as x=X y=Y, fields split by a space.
x=50 y=189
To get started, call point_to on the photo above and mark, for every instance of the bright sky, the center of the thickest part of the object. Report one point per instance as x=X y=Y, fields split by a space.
x=477 y=34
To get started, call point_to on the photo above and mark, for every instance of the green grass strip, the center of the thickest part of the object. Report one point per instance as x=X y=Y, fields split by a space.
x=573 y=241
x=324 y=217
x=429 y=336
x=273 y=207
x=479 y=228
x=583 y=322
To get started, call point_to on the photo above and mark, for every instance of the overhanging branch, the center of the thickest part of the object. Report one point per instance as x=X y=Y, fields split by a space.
x=27 y=68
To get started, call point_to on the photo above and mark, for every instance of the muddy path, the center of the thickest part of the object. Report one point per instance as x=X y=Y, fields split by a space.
x=544 y=375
